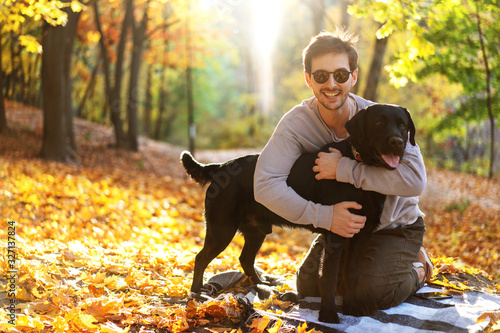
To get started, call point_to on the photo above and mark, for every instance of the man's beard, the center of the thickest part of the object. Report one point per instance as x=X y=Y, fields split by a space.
x=332 y=106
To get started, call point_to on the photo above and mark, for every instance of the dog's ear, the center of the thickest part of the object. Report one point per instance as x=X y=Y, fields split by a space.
x=356 y=125
x=411 y=127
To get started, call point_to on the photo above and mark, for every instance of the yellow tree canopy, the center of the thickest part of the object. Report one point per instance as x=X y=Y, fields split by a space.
x=13 y=14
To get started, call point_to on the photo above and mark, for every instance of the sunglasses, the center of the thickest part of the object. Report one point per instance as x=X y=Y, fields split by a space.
x=340 y=75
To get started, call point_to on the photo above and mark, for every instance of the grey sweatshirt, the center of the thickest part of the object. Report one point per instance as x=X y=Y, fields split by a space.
x=303 y=130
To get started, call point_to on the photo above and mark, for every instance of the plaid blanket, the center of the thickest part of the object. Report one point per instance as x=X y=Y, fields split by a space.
x=458 y=314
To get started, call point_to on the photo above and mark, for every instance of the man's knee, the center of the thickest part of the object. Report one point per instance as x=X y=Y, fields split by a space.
x=369 y=294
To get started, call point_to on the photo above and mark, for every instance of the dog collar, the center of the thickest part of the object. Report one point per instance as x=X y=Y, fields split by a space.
x=356 y=154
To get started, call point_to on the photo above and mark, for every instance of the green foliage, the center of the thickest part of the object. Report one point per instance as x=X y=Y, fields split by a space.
x=450 y=38
x=242 y=133
x=459 y=206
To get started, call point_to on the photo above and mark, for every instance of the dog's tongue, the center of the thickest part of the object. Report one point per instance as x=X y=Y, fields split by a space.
x=391 y=160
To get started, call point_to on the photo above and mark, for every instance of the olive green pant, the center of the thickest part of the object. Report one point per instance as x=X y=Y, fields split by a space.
x=384 y=276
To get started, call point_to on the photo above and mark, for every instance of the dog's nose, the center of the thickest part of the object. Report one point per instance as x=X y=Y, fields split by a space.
x=396 y=142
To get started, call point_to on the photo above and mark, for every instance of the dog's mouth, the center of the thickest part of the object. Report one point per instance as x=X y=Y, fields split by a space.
x=391 y=160
x=387 y=159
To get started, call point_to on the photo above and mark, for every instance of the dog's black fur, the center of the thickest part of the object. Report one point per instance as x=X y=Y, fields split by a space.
x=230 y=205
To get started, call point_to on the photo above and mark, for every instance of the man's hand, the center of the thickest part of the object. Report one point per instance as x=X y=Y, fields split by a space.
x=345 y=223
x=326 y=164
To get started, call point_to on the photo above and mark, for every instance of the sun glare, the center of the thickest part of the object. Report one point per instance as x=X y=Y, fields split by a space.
x=266 y=20
x=265 y=23
x=205 y=4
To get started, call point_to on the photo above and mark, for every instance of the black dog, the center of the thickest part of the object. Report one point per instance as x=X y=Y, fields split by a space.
x=378 y=136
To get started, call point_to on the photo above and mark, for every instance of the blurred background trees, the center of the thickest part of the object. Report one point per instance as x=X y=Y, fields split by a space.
x=126 y=62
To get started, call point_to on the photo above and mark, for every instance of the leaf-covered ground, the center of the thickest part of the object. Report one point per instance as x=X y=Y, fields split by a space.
x=107 y=244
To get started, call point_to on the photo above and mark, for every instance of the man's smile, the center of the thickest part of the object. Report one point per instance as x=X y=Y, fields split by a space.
x=332 y=94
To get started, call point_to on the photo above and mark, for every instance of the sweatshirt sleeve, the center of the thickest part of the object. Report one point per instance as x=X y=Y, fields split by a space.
x=272 y=191
x=407 y=180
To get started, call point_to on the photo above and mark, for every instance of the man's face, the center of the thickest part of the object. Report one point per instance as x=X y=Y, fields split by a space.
x=331 y=94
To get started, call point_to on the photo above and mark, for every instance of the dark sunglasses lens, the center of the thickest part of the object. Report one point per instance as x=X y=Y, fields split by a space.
x=321 y=76
x=341 y=76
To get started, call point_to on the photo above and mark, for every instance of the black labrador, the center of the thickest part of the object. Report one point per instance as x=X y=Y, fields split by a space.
x=378 y=136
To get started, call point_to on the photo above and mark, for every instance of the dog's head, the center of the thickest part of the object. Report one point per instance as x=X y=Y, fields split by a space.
x=379 y=134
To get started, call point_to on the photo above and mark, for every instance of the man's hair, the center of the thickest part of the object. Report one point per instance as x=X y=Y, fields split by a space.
x=340 y=41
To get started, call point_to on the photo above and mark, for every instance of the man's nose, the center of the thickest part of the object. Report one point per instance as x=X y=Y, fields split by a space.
x=331 y=81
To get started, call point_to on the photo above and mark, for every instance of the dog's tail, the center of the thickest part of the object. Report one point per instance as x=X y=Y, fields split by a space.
x=201 y=173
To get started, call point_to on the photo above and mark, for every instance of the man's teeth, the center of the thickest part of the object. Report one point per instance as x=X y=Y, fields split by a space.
x=332 y=94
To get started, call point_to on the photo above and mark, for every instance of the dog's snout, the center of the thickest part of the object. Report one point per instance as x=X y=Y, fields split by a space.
x=396 y=142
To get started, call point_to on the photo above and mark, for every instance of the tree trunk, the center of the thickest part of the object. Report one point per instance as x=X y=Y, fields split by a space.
x=13 y=73
x=54 y=145
x=345 y=18
x=3 y=116
x=318 y=15
x=370 y=92
x=21 y=88
x=37 y=95
x=139 y=35
x=488 y=94
x=189 y=84
x=56 y=89
x=148 y=104
x=88 y=89
x=69 y=43
x=162 y=103
x=113 y=91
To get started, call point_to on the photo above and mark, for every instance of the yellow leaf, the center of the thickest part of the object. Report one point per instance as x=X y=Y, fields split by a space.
x=97 y=278
x=103 y=306
x=31 y=44
x=111 y=327
x=59 y=324
x=302 y=328
x=85 y=322
x=24 y=295
x=26 y=321
x=93 y=36
x=6 y=327
x=76 y=6
x=276 y=327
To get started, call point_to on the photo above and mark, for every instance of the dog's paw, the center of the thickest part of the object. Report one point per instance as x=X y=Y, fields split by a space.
x=329 y=317
x=198 y=296
x=193 y=294
x=289 y=296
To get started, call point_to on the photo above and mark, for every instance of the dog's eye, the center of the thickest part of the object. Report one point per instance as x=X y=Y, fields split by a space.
x=402 y=126
x=379 y=123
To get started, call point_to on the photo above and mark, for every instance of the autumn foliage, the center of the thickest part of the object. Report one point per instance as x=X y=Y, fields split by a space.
x=108 y=244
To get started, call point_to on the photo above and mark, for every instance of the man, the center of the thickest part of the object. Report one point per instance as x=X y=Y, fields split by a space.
x=396 y=265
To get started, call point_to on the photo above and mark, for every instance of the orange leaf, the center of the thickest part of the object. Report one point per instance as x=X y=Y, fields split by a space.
x=111 y=327
x=494 y=317
x=260 y=324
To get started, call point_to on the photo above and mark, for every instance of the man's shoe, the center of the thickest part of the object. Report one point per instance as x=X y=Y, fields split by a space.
x=425 y=262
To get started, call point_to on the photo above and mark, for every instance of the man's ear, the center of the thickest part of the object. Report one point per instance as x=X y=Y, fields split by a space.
x=307 y=76
x=354 y=77
x=356 y=125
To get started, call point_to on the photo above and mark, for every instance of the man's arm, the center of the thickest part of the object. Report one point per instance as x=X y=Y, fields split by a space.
x=271 y=190
x=407 y=180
